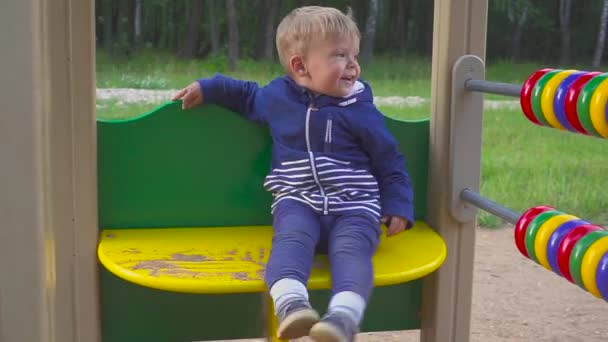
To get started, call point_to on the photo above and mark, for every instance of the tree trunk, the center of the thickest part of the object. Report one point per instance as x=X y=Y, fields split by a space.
x=565 y=9
x=370 y=30
x=519 y=30
x=108 y=37
x=233 y=35
x=121 y=30
x=191 y=43
x=213 y=29
x=130 y=24
x=403 y=12
x=139 y=4
x=601 y=37
x=269 y=42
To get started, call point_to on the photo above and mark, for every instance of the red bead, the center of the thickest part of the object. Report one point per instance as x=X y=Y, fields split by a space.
x=565 y=248
x=526 y=94
x=572 y=99
x=522 y=225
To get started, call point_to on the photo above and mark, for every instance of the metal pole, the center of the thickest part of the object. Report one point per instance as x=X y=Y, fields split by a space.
x=490 y=206
x=493 y=87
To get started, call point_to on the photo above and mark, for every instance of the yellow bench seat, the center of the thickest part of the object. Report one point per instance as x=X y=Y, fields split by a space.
x=232 y=259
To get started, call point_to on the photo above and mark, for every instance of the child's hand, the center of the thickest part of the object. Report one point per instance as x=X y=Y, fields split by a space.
x=395 y=224
x=191 y=96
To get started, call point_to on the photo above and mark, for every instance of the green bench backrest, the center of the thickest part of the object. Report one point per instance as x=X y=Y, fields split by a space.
x=204 y=167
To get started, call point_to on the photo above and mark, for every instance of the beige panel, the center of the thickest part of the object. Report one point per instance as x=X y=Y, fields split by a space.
x=22 y=281
x=48 y=288
x=82 y=78
x=459 y=28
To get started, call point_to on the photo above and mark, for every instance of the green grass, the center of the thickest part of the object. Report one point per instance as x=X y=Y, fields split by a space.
x=159 y=70
x=404 y=76
x=112 y=110
x=525 y=165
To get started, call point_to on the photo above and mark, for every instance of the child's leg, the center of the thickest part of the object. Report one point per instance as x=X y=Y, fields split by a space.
x=296 y=232
x=352 y=242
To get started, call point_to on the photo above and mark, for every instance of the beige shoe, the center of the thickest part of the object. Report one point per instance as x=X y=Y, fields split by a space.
x=334 y=327
x=295 y=320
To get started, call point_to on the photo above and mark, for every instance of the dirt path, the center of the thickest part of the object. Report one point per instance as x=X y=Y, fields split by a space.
x=516 y=300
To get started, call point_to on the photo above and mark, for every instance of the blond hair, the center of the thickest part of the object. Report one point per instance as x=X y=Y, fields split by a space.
x=298 y=28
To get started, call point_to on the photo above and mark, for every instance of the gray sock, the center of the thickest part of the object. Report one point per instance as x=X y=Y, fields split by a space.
x=286 y=290
x=348 y=303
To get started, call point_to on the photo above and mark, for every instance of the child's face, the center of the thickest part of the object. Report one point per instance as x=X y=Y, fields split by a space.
x=332 y=65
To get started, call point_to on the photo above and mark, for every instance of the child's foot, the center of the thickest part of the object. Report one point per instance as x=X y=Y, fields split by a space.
x=334 y=327
x=295 y=319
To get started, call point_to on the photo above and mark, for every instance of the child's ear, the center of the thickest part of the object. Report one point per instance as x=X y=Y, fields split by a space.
x=297 y=66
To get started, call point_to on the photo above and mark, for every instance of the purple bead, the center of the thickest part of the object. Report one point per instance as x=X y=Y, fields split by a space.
x=559 y=101
x=601 y=276
x=556 y=238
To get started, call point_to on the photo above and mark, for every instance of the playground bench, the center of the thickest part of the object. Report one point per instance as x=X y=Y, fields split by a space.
x=185 y=229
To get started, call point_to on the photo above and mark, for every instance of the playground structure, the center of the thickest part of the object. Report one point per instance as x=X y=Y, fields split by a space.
x=200 y=247
x=572 y=101
x=51 y=230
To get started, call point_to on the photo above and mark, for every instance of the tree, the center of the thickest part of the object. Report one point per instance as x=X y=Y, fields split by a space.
x=601 y=36
x=233 y=35
x=191 y=42
x=565 y=10
x=108 y=27
x=214 y=31
x=403 y=11
x=139 y=4
x=370 y=31
x=517 y=12
x=269 y=43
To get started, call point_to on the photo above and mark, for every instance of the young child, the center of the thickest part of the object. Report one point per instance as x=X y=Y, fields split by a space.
x=336 y=172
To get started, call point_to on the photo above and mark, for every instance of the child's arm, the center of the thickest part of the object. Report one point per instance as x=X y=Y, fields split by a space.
x=236 y=95
x=389 y=167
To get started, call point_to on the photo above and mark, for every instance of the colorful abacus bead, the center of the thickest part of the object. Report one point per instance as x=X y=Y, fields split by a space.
x=548 y=96
x=597 y=109
x=522 y=225
x=590 y=264
x=572 y=96
x=559 y=102
x=578 y=252
x=566 y=246
x=584 y=102
x=537 y=95
x=526 y=94
x=556 y=239
x=601 y=276
x=533 y=228
x=541 y=241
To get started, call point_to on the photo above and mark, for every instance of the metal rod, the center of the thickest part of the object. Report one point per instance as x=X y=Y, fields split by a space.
x=490 y=206
x=493 y=87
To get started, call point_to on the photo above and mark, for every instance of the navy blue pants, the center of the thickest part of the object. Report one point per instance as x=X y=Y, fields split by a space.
x=349 y=239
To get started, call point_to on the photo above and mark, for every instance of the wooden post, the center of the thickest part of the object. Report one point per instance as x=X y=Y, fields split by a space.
x=459 y=29
x=48 y=202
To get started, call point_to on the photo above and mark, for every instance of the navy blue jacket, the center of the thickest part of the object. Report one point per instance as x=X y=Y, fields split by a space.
x=334 y=154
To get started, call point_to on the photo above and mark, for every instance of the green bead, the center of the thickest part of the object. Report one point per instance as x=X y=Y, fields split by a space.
x=537 y=93
x=578 y=252
x=533 y=228
x=584 y=100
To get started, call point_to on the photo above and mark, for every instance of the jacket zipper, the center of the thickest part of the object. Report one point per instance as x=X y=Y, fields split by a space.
x=328 y=128
x=312 y=158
